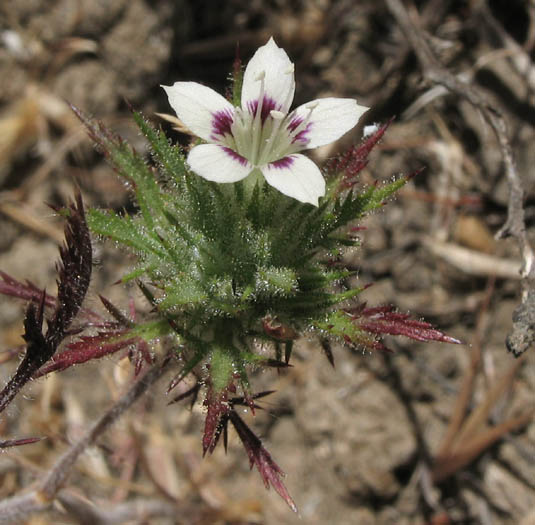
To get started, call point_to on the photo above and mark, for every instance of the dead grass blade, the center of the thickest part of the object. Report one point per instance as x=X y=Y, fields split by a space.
x=467 y=436
x=476 y=421
x=23 y=215
x=447 y=465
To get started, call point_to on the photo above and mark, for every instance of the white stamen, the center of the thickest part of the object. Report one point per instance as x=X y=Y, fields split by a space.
x=257 y=123
x=267 y=149
x=286 y=146
x=237 y=130
x=311 y=107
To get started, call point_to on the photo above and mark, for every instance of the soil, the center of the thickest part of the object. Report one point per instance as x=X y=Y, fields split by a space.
x=357 y=441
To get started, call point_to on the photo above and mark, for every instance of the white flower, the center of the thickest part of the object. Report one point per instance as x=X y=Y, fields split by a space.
x=261 y=134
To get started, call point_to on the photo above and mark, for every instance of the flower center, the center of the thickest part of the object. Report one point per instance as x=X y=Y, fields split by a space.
x=262 y=133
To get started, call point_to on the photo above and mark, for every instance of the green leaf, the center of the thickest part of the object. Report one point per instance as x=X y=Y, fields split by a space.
x=132 y=167
x=237 y=82
x=169 y=156
x=153 y=330
x=221 y=367
x=310 y=301
x=339 y=324
x=200 y=353
x=134 y=274
x=276 y=282
x=319 y=278
x=185 y=290
x=353 y=206
x=123 y=230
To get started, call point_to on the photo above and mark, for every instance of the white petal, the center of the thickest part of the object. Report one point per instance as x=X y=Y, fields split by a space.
x=279 y=83
x=329 y=119
x=218 y=163
x=201 y=109
x=296 y=176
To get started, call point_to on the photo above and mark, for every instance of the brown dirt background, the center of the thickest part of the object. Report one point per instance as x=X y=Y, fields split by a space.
x=355 y=441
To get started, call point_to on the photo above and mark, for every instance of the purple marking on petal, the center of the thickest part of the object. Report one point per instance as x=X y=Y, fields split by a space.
x=242 y=160
x=221 y=123
x=268 y=104
x=294 y=123
x=285 y=162
x=302 y=135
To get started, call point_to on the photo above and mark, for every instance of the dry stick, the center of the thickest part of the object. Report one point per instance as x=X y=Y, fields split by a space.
x=137 y=510
x=17 y=508
x=523 y=335
x=473 y=262
x=519 y=58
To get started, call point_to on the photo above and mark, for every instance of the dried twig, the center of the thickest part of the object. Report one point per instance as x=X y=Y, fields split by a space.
x=473 y=262
x=520 y=59
x=138 y=510
x=523 y=333
x=17 y=508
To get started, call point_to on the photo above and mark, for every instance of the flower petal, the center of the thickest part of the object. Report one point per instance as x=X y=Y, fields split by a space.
x=218 y=163
x=201 y=109
x=296 y=176
x=279 y=83
x=328 y=120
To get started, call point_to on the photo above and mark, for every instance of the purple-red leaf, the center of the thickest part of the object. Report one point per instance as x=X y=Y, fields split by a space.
x=384 y=320
x=115 y=312
x=74 y=272
x=355 y=159
x=86 y=349
x=216 y=418
x=248 y=401
x=37 y=353
x=28 y=292
x=140 y=353
x=328 y=351
x=220 y=412
x=271 y=473
x=192 y=392
x=19 y=442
